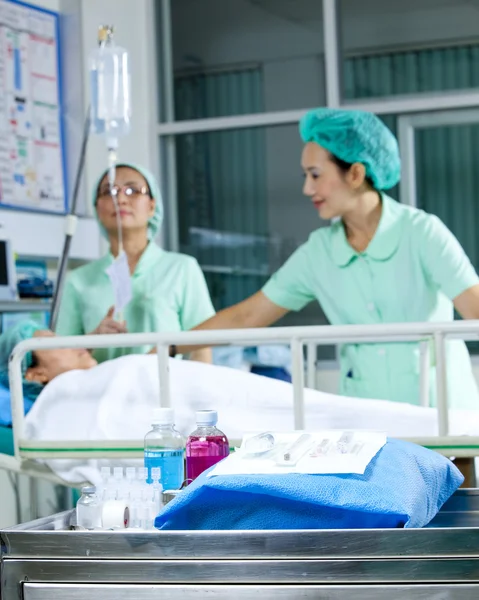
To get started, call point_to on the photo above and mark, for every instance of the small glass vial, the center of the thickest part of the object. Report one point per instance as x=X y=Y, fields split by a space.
x=88 y=509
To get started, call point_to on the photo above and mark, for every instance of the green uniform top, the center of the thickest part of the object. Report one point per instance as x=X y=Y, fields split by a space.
x=411 y=271
x=169 y=294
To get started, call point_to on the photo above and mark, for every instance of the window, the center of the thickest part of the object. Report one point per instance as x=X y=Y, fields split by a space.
x=225 y=49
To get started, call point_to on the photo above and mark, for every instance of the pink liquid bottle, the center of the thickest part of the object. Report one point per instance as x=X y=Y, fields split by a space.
x=206 y=446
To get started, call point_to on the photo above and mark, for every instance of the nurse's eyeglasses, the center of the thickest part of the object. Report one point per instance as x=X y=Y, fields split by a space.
x=130 y=191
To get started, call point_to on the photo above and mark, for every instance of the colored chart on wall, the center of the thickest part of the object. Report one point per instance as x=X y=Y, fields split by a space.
x=32 y=166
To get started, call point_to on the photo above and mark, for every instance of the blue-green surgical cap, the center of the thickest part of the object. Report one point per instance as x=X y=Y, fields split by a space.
x=157 y=219
x=8 y=340
x=355 y=136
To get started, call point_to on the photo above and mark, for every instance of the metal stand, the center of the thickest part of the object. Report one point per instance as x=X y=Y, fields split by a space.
x=70 y=228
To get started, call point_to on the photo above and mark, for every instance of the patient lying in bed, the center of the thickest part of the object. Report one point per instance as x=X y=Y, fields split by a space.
x=115 y=401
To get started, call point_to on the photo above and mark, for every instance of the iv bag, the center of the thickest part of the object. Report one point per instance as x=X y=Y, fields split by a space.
x=110 y=91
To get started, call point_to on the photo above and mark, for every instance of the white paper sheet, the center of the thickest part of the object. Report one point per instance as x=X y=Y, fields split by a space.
x=119 y=274
x=368 y=444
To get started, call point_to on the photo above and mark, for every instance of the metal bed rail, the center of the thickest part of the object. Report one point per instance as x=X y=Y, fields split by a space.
x=426 y=334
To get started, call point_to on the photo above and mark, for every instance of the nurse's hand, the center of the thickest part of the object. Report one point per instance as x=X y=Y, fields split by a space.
x=109 y=325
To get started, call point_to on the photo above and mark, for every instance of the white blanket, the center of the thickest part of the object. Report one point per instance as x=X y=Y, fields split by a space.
x=115 y=401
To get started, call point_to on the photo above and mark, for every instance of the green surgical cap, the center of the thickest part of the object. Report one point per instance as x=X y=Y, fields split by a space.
x=156 y=220
x=355 y=136
x=8 y=340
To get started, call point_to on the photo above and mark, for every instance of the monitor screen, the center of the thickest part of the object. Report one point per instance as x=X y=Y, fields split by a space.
x=3 y=263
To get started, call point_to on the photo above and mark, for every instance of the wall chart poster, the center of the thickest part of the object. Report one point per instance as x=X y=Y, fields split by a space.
x=32 y=166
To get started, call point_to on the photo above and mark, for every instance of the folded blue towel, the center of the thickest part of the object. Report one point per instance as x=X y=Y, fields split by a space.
x=405 y=485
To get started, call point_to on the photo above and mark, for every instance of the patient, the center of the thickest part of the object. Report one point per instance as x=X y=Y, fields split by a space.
x=48 y=364
x=41 y=366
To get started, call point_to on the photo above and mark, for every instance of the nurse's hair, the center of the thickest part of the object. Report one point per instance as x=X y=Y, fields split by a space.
x=355 y=136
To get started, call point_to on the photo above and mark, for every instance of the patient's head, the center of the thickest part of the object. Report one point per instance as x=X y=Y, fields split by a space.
x=48 y=364
x=41 y=366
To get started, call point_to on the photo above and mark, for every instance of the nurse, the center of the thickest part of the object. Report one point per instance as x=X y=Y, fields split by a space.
x=378 y=262
x=169 y=289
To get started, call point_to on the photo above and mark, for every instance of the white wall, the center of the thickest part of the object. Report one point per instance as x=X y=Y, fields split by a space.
x=415 y=24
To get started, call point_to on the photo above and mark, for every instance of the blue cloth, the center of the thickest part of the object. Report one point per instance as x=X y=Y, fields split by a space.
x=6 y=407
x=272 y=372
x=404 y=486
x=355 y=136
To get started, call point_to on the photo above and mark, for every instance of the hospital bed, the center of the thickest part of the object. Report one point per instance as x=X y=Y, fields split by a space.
x=21 y=456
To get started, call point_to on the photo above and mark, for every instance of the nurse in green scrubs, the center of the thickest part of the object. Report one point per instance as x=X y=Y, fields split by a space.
x=169 y=289
x=378 y=262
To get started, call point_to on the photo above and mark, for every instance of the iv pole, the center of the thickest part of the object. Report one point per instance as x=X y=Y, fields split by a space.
x=72 y=219
x=70 y=227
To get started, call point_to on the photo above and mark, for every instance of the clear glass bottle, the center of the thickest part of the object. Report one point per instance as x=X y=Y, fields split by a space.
x=164 y=448
x=206 y=446
x=88 y=509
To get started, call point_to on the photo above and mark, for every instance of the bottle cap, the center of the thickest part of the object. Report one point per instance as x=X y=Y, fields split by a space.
x=206 y=417
x=88 y=489
x=163 y=416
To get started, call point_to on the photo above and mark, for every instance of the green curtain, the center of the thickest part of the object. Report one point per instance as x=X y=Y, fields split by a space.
x=222 y=184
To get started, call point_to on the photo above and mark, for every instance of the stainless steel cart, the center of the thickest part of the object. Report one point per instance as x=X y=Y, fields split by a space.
x=44 y=560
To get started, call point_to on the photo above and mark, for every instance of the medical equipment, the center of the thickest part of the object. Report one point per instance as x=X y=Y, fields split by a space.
x=108 y=114
x=35 y=287
x=45 y=560
x=206 y=446
x=88 y=509
x=297 y=449
x=164 y=450
x=135 y=490
x=110 y=101
x=8 y=278
x=259 y=444
x=110 y=89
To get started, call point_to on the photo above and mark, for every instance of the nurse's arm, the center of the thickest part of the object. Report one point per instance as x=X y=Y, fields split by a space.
x=467 y=303
x=255 y=311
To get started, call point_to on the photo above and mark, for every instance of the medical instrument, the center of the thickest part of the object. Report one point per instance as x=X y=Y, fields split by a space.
x=344 y=442
x=206 y=446
x=295 y=450
x=260 y=443
x=322 y=449
x=164 y=450
x=35 y=287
